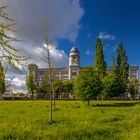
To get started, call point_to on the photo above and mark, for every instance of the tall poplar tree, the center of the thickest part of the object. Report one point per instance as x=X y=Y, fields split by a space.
x=122 y=63
x=99 y=60
x=113 y=66
x=122 y=68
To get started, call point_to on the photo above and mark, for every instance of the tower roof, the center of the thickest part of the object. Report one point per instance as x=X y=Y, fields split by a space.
x=74 y=49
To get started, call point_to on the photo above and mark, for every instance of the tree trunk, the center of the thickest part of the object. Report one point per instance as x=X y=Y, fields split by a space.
x=102 y=98
x=88 y=102
x=32 y=95
x=50 y=107
x=0 y=96
x=54 y=100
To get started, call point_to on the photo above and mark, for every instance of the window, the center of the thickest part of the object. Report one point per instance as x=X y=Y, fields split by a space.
x=74 y=73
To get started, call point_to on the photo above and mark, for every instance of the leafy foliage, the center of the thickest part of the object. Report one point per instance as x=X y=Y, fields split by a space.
x=99 y=61
x=68 y=86
x=113 y=66
x=44 y=84
x=87 y=84
x=133 y=87
x=122 y=63
x=122 y=67
x=57 y=86
x=30 y=83
x=111 y=86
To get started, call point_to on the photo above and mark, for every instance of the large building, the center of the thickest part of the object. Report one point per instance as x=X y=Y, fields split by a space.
x=72 y=70
x=59 y=73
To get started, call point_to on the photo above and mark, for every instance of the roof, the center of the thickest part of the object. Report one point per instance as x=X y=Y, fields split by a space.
x=74 y=49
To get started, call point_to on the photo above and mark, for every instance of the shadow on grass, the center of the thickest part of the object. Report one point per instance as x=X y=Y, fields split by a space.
x=117 y=104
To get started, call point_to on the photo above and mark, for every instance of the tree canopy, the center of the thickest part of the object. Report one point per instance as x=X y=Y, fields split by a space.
x=111 y=86
x=122 y=68
x=99 y=60
x=133 y=87
x=30 y=83
x=122 y=62
x=44 y=84
x=87 y=84
x=113 y=66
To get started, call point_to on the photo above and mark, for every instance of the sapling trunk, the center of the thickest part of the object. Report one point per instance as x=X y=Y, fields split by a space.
x=88 y=102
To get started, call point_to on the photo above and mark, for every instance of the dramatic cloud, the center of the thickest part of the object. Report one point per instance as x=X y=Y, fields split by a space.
x=106 y=36
x=58 y=57
x=62 y=16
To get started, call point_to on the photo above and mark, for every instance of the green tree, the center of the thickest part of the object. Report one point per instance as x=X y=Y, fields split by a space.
x=68 y=87
x=99 y=60
x=133 y=87
x=57 y=87
x=30 y=83
x=122 y=63
x=87 y=84
x=7 y=51
x=44 y=85
x=122 y=67
x=113 y=66
x=110 y=85
x=2 y=80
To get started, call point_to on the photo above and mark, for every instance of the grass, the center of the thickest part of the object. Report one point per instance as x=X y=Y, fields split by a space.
x=73 y=120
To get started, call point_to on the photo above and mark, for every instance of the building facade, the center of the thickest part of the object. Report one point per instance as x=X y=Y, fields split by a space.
x=59 y=73
x=72 y=70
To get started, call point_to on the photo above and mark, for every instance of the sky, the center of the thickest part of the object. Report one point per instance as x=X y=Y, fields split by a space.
x=74 y=23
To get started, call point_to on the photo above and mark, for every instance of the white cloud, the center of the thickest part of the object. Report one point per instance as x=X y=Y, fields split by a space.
x=63 y=22
x=106 y=36
x=17 y=82
x=62 y=17
x=58 y=57
x=88 y=52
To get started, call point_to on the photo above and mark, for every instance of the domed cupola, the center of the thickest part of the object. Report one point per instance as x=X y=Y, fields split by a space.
x=74 y=49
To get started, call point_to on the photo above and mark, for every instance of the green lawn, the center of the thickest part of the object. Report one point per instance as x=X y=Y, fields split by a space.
x=73 y=120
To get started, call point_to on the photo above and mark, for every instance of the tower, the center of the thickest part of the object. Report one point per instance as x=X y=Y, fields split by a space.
x=74 y=63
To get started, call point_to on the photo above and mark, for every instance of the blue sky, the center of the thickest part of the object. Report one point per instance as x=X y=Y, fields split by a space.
x=119 y=18
x=73 y=23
